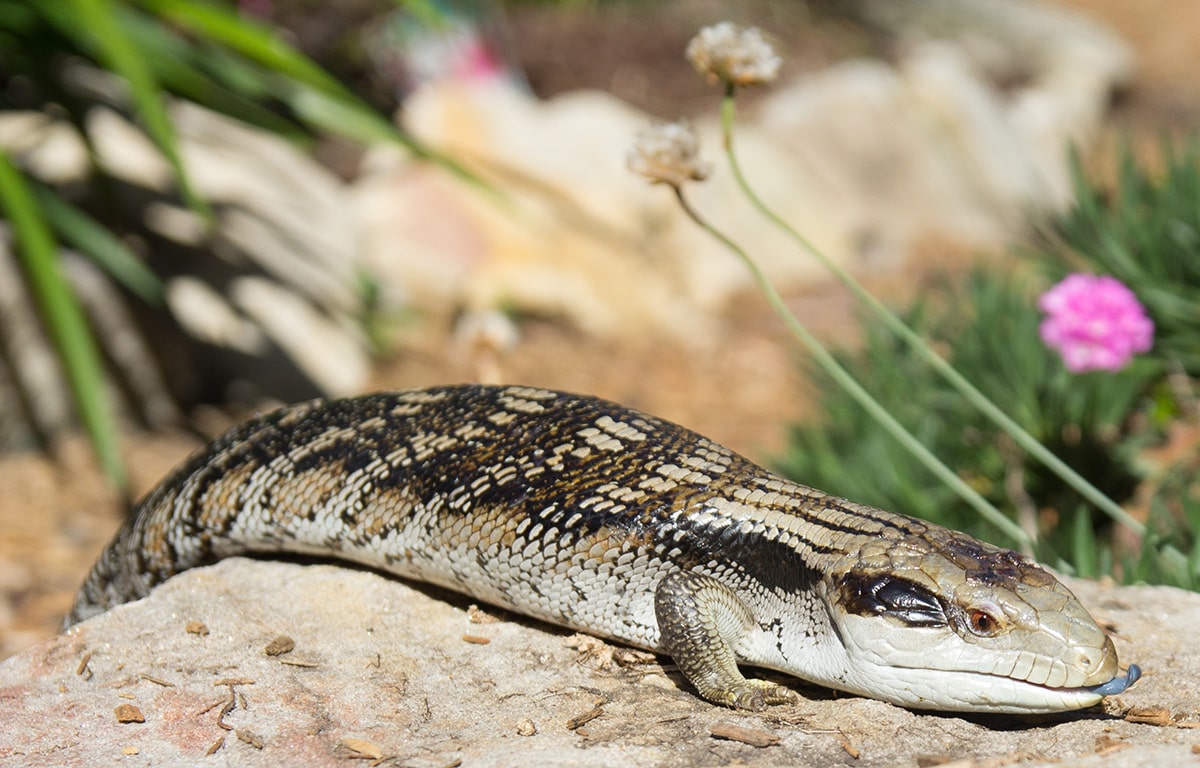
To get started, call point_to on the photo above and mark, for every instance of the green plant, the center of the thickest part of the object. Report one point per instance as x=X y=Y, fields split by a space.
x=1144 y=231
x=203 y=52
x=1047 y=444
x=987 y=327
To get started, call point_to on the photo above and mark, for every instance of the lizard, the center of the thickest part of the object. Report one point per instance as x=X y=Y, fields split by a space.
x=585 y=514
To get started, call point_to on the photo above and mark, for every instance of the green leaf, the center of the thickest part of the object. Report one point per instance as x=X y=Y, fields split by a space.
x=1083 y=543
x=248 y=37
x=86 y=234
x=315 y=95
x=97 y=25
x=217 y=79
x=64 y=318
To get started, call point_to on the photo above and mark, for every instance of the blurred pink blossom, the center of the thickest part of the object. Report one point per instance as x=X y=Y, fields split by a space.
x=1095 y=323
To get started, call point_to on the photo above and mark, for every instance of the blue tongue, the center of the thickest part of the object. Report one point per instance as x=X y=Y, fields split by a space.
x=1120 y=683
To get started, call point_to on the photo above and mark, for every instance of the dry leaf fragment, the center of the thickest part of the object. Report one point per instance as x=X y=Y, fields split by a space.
x=128 y=713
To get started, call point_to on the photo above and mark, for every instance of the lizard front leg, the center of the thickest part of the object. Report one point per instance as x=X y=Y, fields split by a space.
x=700 y=621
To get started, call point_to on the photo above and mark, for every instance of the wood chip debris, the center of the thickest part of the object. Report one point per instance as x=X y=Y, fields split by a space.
x=249 y=737
x=755 y=737
x=362 y=748
x=280 y=645
x=299 y=663
x=1150 y=716
x=585 y=717
x=128 y=713
x=83 y=670
x=229 y=704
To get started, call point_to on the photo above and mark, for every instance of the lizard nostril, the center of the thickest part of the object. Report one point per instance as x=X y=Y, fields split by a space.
x=1099 y=664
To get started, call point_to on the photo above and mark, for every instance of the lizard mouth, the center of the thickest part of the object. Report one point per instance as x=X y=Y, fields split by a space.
x=1119 y=683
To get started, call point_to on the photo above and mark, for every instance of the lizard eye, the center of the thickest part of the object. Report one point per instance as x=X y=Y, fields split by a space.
x=983 y=623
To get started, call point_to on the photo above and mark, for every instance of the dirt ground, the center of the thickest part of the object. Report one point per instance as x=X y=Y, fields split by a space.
x=742 y=391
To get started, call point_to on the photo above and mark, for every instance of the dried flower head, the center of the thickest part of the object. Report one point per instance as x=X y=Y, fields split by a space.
x=668 y=153
x=727 y=53
x=1095 y=323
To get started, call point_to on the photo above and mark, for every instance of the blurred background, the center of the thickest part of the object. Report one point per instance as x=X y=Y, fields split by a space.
x=211 y=208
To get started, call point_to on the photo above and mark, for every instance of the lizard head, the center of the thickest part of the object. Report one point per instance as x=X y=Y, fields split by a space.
x=942 y=621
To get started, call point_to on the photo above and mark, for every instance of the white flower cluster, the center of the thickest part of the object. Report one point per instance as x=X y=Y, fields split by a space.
x=668 y=153
x=727 y=53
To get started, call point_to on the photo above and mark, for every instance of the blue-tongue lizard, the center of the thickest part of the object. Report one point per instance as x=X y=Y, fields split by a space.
x=589 y=515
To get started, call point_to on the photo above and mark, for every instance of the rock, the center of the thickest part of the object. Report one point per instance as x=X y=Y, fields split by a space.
x=960 y=140
x=383 y=669
x=567 y=235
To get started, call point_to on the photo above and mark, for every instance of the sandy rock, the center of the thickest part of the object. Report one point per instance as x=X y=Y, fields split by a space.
x=383 y=669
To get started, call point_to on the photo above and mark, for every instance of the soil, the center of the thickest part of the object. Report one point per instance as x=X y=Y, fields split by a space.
x=56 y=513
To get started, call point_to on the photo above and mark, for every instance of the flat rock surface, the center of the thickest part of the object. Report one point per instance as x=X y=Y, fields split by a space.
x=382 y=670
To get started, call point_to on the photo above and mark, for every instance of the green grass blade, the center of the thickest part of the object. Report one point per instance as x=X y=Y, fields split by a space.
x=1083 y=543
x=97 y=25
x=214 y=78
x=252 y=39
x=86 y=234
x=64 y=319
x=315 y=95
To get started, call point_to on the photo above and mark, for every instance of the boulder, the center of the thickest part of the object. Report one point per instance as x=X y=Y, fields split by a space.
x=200 y=673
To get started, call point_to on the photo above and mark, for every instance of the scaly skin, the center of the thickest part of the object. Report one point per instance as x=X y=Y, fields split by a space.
x=589 y=515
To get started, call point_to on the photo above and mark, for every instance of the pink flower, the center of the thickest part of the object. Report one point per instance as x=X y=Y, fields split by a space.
x=1095 y=323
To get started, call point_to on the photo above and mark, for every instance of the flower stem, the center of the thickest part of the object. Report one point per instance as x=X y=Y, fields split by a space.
x=1023 y=538
x=989 y=409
